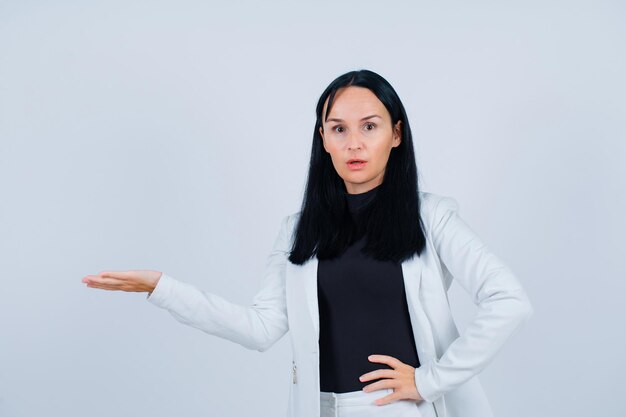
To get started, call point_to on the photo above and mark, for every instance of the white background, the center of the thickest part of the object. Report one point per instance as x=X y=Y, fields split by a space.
x=176 y=135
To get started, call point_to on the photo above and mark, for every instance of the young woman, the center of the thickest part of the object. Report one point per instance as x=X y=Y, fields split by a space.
x=359 y=277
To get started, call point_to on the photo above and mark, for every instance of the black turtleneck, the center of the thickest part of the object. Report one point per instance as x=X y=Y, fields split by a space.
x=363 y=311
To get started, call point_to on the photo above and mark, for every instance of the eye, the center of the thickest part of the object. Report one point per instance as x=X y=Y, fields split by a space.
x=370 y=124
x=337 y=127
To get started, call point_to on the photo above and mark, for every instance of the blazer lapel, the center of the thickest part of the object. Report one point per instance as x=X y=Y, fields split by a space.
x=413 y=271
x=309 y=271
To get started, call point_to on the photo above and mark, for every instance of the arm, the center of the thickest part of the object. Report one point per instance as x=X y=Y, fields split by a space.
x=257 y=326
x=502 y=303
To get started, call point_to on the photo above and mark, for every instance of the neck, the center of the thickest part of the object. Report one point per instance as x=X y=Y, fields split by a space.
x=360 y=200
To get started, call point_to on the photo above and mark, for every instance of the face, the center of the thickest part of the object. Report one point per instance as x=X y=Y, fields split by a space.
x=359 y=127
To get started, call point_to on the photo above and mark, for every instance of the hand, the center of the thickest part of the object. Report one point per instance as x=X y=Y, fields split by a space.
x=131 y=281
x=401 y=379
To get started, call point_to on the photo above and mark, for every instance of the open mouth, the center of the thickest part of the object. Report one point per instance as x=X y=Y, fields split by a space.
x=356 y=163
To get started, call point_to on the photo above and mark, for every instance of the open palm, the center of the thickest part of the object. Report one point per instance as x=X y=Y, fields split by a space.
x=131 y=281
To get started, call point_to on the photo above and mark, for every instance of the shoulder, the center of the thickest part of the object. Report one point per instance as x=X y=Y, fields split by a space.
x=289 y=222
x=430 y=200
x=434 y=206
x=291 y=218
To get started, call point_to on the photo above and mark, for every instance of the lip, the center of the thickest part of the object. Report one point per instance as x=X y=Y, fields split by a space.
x=358 y=166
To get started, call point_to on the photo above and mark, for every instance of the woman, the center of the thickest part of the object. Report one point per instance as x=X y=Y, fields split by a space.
x=359 y=277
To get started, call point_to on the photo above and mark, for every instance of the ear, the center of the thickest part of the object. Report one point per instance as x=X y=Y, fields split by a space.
x=397 y=134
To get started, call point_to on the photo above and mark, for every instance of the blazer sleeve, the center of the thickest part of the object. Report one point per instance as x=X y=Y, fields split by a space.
x=257 y=326
x=503 y=305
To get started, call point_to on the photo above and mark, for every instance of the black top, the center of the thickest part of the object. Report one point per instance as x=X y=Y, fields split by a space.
x=363 y=311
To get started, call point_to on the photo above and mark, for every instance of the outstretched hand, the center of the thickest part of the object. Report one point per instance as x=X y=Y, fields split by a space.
x=401 y=379
x=131 y=281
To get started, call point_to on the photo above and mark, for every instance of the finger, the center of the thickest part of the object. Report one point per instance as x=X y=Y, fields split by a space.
x=382 y=384
x=116 y=274
x=388 y=399
x=105 y=287
x=377 y=374
x=105 y=281
x=389 y=360
x=89 y=279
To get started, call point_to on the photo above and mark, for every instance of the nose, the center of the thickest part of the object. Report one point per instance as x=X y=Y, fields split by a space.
x=354 y=141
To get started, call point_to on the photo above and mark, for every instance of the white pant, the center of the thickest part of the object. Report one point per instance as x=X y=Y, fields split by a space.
x=361 y=404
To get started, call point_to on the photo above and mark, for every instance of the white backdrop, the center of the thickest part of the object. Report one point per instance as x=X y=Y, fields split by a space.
x=140 y=134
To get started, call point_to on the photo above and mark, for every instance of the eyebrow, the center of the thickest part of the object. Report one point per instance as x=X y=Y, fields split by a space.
x=365 y=118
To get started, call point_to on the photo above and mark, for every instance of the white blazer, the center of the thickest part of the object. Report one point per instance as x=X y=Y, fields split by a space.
x=287 y=301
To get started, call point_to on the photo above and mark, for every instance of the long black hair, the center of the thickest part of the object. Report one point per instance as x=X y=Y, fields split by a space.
x=391 y=222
